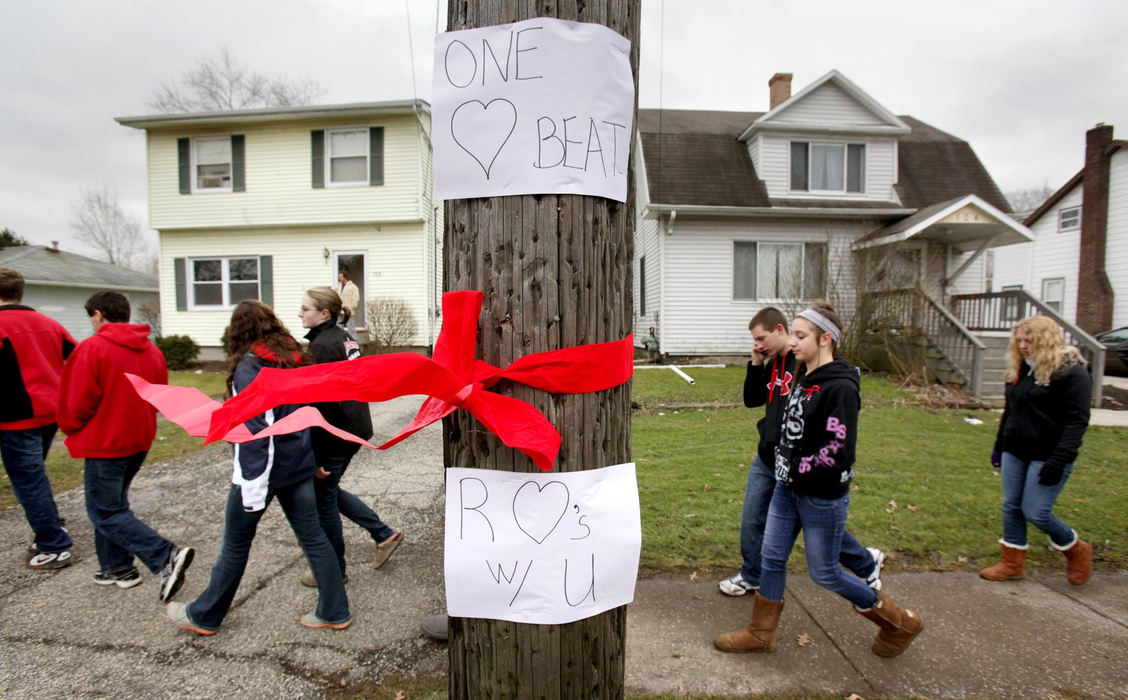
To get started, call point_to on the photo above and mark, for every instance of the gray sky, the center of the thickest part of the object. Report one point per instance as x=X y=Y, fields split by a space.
x=1021 y=80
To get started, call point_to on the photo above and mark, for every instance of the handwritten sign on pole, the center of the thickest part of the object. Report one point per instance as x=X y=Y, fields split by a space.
x=539 y=106
x=541 y=548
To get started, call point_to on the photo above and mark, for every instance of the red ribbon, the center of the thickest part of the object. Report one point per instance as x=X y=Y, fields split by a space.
x=451 y=379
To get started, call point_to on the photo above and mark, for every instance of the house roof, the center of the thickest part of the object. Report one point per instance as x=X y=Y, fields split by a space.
x=275 y=114
x=1068 y=186
x=51 y=266
x=1006 y=230
x=693 y=158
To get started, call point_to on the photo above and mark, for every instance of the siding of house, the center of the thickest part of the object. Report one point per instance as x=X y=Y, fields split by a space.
x=647 y=244
x=700 y=315
x=828 y=105
x=774 y=167
x=67 y=305
x=278 y=181
x=1116 y=251
x=1050 y=255
x=396 y=267
x=973 y=280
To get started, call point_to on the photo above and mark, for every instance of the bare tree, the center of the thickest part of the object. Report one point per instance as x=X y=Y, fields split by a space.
x=102 y=224
x=1026 y=200
x=220 y=83
x=391 y=323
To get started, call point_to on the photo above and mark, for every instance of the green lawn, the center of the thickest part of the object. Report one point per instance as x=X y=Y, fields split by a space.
x=171 y=441
x=924 y=487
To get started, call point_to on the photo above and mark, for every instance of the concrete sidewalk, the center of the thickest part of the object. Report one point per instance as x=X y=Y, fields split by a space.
x=64 y=636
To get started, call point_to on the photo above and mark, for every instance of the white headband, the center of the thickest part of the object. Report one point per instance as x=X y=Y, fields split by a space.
x=822 y=322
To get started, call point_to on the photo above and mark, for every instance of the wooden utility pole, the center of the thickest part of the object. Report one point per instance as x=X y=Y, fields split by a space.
x=556 y=272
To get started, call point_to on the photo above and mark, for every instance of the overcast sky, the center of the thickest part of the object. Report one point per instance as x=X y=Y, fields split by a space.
x=1021 y=80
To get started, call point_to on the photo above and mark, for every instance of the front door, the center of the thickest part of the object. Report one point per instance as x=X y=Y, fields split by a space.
x=355 y=263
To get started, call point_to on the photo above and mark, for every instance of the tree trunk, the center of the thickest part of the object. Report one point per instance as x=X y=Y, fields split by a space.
x=556 y=272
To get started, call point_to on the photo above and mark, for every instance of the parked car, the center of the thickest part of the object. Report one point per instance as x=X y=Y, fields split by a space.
x=1116 y=350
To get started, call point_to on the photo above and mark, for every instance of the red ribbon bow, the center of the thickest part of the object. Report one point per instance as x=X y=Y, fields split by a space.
x=451 y=379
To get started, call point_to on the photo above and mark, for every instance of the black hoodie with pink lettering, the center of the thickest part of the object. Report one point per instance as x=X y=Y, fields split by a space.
x=815 y=456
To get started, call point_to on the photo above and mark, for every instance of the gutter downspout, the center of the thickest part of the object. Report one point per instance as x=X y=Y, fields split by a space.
x=662 y=277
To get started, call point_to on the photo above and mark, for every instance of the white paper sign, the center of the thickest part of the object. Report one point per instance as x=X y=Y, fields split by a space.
x=540 y=106
x=541 y=548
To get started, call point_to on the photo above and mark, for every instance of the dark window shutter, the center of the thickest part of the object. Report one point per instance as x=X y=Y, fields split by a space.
x=179 y=266
x=185 y=162
x=856 y=167
x=317 y=148
x=266 y=280
x=798 y=165
x=376 y=155
x=238 y=168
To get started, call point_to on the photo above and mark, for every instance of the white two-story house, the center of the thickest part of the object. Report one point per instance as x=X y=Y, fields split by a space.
x=741 y=210
x=267 y=203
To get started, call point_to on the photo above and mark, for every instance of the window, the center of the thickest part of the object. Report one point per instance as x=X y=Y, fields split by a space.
x=223 y=282
x=828 y=167
x=1010 y=304
x=778 y=270
x=212 y=164
x=348 y=157
x=1053 y=293
x=642 y=286
x=1069 y=219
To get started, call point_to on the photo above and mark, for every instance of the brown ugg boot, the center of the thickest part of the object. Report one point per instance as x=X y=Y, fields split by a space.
x=759 y=635
x=898 y=626
x=1012 y=566
x=1078 y=562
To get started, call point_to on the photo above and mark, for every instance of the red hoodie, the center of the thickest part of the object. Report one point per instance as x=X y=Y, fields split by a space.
x=98 y=409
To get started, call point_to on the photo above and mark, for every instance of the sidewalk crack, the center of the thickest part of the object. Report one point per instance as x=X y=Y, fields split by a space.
x=826 y=633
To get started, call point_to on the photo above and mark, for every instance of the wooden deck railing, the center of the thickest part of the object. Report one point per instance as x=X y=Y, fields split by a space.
x=999 y=311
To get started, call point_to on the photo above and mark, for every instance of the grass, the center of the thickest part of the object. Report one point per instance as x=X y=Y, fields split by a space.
x=924 y=488
x=171 y=441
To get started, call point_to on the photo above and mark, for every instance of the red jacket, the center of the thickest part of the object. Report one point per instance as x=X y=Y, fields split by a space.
x=98 y=409
x=32 y=350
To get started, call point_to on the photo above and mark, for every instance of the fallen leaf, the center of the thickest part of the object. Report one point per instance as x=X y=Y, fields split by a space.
x=890 y=511
x=399 y=695
x=962 y=560
x=708 y=487
x=693 y=576
x=854 y=696
x=854 y=487
x=803 y=639
x=914 y=508
x=894 y=528
x=893 y=505
x=716 y=474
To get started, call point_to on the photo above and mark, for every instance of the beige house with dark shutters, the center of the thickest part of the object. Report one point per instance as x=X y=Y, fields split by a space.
x=267 y=203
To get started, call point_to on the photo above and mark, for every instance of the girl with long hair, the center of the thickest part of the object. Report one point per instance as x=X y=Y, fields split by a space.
x=1045 y=416
x=328 y=342
x=814 y=463
x=279 y=467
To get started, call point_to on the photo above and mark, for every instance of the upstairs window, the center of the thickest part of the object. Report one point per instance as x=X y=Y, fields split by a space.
x=1069 y=219
x=795 y=271
x=828 y=167
x=347 y=157
x=223 y=282
x=211 y=164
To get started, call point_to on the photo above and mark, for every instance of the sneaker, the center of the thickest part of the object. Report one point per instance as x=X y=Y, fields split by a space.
x=736 y=586
x=178 y=613
x=122 y=579
x=307 y=579
x=385 y=548
x=312 y=621
x=42 y=561
x=172 y=574
x=874 y=579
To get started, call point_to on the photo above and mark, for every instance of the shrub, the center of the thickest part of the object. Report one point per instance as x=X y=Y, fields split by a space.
x=391 y=323
x=179 y=350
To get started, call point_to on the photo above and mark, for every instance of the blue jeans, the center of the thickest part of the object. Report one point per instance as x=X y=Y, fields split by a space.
x=23 y=452
x=823 y=523
x=333 y=502
x=118 y=533
x=757 y=499
x=1025 y=500
x=239 y=528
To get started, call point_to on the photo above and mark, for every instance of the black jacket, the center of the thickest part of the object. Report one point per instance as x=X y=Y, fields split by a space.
x=769 y=384
x=330 y=343
x=815 y=456
x=1046 y=422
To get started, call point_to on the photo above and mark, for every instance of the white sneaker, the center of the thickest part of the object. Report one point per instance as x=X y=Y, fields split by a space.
x=874 y=579
x=736 y=586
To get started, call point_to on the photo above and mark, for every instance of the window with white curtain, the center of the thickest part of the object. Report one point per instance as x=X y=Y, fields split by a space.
x=770 y=270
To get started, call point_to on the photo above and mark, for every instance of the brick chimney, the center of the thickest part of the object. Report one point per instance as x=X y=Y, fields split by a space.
x=779 y=88
x=1094 y=291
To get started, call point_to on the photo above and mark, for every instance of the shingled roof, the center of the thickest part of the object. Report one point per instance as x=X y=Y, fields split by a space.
x=42 y=265
x=693 y=159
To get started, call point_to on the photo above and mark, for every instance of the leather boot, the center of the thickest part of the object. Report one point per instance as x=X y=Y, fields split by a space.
x=759 y=635
x=898 y=626
x=1012 y=566
x=1078 y=562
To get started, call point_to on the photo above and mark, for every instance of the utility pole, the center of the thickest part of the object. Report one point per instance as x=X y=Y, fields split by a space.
x=556 y=272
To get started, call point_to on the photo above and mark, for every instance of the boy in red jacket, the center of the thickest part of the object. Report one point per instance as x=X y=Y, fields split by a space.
x=112 y=428
x=32 y=350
